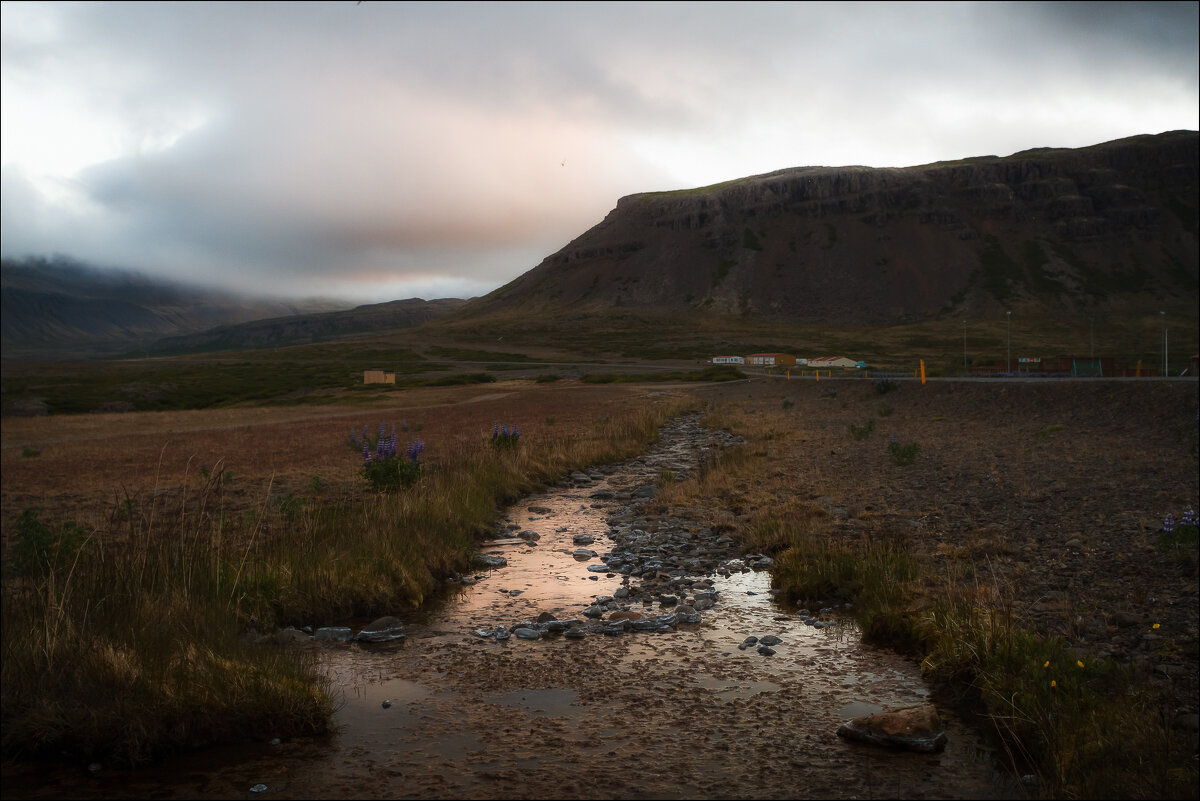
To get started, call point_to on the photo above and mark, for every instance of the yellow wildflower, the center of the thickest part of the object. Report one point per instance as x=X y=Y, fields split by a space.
x=1047 y=664
x=1155 y=625
x=1053 y=683
x=1079 y=662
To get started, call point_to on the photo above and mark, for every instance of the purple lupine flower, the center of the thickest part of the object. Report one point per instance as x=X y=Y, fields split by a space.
x=1189 y=517
x=366 y=454
x=504 y=430
x=495 y=430
x=1168 y=525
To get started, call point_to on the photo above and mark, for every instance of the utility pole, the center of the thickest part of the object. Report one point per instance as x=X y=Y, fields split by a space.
x=1008 y=314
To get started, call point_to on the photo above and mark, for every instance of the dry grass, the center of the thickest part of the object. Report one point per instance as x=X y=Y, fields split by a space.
x=1019 y=543
x=123 y=623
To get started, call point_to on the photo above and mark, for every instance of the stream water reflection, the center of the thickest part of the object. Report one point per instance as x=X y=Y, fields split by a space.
x=450 y=714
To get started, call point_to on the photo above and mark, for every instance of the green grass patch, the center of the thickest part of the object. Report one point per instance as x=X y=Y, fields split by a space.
x=1047 y=432
x=718 y=372
x=860 y=433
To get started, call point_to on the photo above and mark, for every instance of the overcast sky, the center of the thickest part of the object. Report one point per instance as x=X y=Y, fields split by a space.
x=375 y=151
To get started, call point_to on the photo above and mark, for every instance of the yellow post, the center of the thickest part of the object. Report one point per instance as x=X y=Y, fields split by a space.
x=789 y=373
x=819 y=373
x=922 y=372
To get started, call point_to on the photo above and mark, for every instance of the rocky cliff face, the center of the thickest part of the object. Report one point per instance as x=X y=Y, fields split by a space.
x=1091 y=227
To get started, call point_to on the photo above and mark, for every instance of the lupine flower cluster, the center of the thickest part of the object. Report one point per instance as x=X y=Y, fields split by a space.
x=504 y=436
x=1183 y=531
x=383 y=464
x=1189 y=518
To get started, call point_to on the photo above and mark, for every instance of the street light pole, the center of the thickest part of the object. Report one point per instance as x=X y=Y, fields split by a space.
x=964 y=347
x=1164 y=343
x=1008 y=314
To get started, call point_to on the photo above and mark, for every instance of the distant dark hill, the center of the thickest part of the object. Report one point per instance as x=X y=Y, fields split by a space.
x=303 y=329
x=62 y=308
x=1101 y=228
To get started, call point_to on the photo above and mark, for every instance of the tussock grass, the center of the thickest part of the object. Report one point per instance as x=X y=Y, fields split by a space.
x=1085 y=726
x=133 y=639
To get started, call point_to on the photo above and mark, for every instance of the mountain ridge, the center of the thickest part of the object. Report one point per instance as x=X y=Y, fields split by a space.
x=1113 y=223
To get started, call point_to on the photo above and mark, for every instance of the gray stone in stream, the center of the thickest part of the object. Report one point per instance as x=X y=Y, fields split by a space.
x=667 y=600
x=502 y=633
x=540 y=510
x=594 y=611
x=524 y=633
x=746 y=643
x=703 y=603
x=384 y=629
x=556 y=625
x=583 y=539
x=583 y=553
x=598 y=568
x=484 y=633
x=487 y=560
x=766 y=650
x=338 y=633
x=575 y=633
x=913 y=728
x=288 y=635
x=621 y=592
x=529 y=536
x=770 y=639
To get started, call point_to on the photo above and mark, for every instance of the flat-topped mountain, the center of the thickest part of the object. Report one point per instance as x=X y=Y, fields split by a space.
x=1112 y=226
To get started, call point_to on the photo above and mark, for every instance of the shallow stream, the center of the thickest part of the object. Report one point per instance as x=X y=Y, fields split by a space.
x=449 y=713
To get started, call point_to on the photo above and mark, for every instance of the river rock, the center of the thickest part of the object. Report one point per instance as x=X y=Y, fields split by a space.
x=525 y=633
x=487 y=560
x=913 y=728
x=583 y=539
x=770 y=639
x=336 y=633
x=583 y=553
x=384 y=629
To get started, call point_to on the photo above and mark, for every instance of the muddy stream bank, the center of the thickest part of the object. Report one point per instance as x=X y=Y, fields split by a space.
x=640 y=684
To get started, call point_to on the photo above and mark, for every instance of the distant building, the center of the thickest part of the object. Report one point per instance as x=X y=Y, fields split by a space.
x=832 y=361
x=379 y=377
x=771 y=359
x=728 y=360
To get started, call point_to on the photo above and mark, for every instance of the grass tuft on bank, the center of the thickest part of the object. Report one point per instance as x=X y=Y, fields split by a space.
x=137 y=639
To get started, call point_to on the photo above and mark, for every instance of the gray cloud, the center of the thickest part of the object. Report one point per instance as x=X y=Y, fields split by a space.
x=292 y=146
